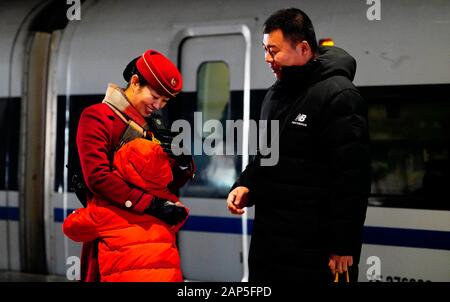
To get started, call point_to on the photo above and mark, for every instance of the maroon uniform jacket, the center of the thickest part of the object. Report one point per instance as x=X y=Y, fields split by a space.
x=99 y=132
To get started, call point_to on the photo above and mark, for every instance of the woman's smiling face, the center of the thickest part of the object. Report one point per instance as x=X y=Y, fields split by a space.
x=145 y=99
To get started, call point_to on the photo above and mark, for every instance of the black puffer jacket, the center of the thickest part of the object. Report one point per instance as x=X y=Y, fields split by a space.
x=313 y=202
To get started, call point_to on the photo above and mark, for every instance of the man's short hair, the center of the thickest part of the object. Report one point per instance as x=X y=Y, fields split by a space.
x=294 y=24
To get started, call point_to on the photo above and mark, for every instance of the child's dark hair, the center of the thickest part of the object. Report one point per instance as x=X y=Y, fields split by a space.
x=131 y=70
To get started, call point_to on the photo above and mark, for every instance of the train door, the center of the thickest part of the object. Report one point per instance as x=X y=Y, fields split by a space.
x=26 y=116
x=213 y=244
x=40 y=230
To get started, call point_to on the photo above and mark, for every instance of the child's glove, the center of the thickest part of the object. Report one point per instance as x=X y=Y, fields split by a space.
x=166 y=211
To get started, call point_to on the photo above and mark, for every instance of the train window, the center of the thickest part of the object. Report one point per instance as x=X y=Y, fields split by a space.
x=410 y=152
x=9 y=148
x=215 y=173
x=213 y=91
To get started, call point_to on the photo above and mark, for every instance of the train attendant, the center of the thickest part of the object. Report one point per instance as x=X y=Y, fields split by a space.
x=123 y=115
x=310 y=207
x=134 y=246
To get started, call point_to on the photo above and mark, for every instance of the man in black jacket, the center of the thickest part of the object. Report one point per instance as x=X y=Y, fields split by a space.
x=310 y=207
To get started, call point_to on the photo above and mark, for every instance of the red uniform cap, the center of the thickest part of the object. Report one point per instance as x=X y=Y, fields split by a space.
x=161 y=74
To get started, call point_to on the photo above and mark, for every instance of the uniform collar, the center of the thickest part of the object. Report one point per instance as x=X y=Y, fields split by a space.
x=116 y=97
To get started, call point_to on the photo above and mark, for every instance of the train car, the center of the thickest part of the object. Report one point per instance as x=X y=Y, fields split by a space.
x=57 y=58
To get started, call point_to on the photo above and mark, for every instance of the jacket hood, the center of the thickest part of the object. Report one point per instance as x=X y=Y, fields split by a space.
x=335 y=61
x=145 y=165
x=331 y=61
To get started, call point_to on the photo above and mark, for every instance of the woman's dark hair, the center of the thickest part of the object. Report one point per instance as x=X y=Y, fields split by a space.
x=131 y=70
x=294 y=24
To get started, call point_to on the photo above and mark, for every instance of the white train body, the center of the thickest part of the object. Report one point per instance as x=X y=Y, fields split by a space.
x=49 y=73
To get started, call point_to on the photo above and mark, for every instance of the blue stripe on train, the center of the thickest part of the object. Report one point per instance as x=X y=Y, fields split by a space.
x=231 y=225
x=58 y=214
x=194 y=223
x=372 y=235
x=9 y=213
x=216 y=224
x=438 y=240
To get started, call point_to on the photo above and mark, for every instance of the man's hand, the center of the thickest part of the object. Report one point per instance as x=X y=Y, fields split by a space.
x=340 y=264
x=237 y=200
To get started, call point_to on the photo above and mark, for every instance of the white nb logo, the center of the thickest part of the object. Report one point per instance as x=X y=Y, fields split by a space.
x=300 y=118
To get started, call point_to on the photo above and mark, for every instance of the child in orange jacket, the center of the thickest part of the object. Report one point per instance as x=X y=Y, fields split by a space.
x=135 y=247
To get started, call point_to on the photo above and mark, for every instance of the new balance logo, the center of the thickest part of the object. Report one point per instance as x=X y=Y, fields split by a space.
x=300 y=119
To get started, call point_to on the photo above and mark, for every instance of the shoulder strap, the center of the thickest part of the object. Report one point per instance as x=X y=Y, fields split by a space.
x=129 y=122
x=132 y=131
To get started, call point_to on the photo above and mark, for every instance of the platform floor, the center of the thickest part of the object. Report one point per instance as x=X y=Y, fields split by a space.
x=9 y=276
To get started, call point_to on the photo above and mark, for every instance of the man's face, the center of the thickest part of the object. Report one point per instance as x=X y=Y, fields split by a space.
x=279 y=52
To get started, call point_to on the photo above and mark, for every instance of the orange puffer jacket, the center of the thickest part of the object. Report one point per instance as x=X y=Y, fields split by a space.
x=133 y=247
